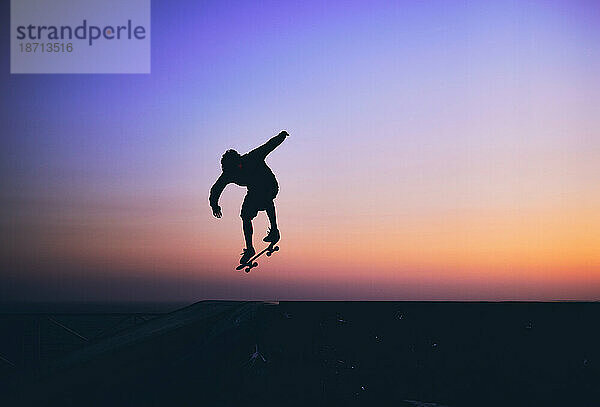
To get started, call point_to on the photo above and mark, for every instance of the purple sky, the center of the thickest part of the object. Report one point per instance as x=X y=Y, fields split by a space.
x=439 y=150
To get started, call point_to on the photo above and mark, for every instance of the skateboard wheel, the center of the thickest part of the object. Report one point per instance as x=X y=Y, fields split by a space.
x=255 y=264
x=276 y=248
x=269 y=253
x=247 y=270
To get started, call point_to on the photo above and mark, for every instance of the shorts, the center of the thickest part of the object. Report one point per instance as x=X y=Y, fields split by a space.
x=257 y=200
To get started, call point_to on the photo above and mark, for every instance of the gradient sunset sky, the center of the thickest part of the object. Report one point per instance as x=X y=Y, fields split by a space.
x=439 y=150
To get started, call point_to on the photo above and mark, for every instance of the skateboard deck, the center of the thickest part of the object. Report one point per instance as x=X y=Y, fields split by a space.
x=270 y=249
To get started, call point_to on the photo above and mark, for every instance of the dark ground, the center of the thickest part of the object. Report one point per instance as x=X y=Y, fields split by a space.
x=320 y=353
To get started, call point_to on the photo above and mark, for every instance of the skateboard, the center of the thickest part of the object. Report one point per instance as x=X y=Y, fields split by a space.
x=270 y=249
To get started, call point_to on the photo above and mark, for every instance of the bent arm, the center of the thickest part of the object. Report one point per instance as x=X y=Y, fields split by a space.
x=269 y=146
x=216 y=190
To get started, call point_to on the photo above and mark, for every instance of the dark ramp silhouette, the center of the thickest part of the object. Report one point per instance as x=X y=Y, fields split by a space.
x=335 y=353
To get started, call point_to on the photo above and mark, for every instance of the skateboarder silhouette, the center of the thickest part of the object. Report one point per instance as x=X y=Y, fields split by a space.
x=251 y=171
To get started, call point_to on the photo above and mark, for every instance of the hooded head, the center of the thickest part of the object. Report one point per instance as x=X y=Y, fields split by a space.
x=230 y=161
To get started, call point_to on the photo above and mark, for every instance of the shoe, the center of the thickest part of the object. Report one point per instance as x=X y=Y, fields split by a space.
x=247 y=255
x=272 y=236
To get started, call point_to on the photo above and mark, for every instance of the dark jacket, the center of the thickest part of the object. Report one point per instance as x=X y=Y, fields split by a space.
x=254 y=173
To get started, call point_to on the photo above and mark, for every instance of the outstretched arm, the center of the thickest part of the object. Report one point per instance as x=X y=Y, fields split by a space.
x=269 y=146
x=215 y=194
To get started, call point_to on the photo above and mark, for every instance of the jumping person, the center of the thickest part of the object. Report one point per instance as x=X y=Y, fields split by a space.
x=251 y=171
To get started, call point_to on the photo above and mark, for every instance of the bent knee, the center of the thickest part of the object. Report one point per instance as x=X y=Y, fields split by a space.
x=248 y=215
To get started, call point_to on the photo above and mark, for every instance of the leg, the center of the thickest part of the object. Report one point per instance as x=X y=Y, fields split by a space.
x=247 y=226
x=249 y=250
x=273 y=236
x=249 y=212
x=271 y=214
